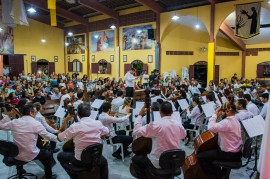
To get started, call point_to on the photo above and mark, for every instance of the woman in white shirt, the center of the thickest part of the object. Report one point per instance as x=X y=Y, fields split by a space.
x=125 y=108
x=195 y=117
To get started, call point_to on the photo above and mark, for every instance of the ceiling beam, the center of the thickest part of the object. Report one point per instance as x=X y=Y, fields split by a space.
x=75 y=7
x=228 y=32
x=93 y=4
x=189 y=5
x=45 y=20
x=152 y=5
x=59 y=11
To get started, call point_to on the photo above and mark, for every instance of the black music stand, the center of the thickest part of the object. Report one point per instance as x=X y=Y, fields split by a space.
x=254 y=132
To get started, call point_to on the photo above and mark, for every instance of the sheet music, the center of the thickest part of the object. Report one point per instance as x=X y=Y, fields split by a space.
x=254 y=126
x=175 y=115
x=224 y=99
x=173 y=107
x=97 y=103
x=208 y=109
x=61 y=112
x=139 y=105
x=94 y=114
x=183 y=103
x=135 y=114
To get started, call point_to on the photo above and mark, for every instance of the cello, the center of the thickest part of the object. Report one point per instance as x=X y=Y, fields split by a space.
x=142 y=145
x=191 y=168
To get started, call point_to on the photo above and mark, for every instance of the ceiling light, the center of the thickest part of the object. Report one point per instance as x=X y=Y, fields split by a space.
x=268 y=2
x=175 y=17
x=66 y=44
x=113 y=27
x=70 y=34
x=43 y=40
x=139 y=31
x=31 y=10
x=96 y=36
x=197 y=26
x=1 y=29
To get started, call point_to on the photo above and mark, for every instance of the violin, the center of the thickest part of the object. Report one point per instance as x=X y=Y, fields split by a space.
x=191 y=168
x=142 y=145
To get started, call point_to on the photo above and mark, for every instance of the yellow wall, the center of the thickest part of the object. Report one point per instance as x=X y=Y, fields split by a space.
x=228 y=65
x=27 y=40
x=252 y=61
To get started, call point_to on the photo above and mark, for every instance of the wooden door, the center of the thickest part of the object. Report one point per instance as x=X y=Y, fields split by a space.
x=216 y=77
x=191 y=71
x=34 y=67
x=16 y=64
x=260 y=71
x=51 y=67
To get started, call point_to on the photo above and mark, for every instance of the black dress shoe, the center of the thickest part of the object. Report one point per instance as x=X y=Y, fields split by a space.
x=52 y=177
x=127 y=153
x=117 y=156
x=187 y=140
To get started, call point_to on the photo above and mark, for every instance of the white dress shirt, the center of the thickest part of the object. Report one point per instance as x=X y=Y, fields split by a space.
x=166 y=134
x=84 y=133
x=40 y=118
x=253 y=108
x=55 y=96
x=196 y=116
x=243 y=115
x=155 y=98
x=77 y=103
x=264 y=110
x=63 y=99
x=25 y=133
x=116 y=103
x=229 y=133
x=129 y=78
x=108 y=121
x=80 y=85
x=145 y=78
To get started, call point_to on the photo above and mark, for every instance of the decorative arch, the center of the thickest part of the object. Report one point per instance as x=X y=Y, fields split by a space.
x=43 y=61
x=138 y=66
x=76 y=66
x=201 y=63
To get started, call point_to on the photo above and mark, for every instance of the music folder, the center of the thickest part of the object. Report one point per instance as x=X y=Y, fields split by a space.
x=183 y=103
x=175 y=115
x=254 y=126
x=94 y=114
x=61 y=112
x=97 y=103
x=208 y=109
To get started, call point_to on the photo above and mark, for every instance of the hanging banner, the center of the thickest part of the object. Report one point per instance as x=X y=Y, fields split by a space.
x=247 y=21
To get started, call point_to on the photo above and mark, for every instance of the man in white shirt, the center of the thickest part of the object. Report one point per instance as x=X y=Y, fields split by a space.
x=265 y=97
x=80 y=83
x=166 y=134
x=243 y=113
x=6 y=71
x=56 y=94
x=84 y=133
x=230 y=140
x=117 y=102
x=117 y=136
x=79 y=101
x=250 y=105
x=156 y=97
x=145 y=79
x=68 y=95
x=264 y=89
x=130 y=80
x=25 y=131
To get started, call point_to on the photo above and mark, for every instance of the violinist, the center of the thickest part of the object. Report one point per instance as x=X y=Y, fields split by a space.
x=156 y=97
x=230 y=140
x=265 y=97
x=166 y=134
x=27 y=143
x=117 y=136
x=243 y=113
x=195 y=117
x=79 y=100
x=251 y=106
x=118 y=101
x=69 y=95
x=40 y=118
x=84 y=133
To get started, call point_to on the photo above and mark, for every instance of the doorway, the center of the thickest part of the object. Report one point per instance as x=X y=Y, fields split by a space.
x=42 y=66
x=200 y=69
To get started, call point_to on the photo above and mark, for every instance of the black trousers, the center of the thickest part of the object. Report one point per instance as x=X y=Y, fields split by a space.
x=187 y=125
x=206 y=159
x=129 y=92
x=122 y=138
x=141 y=162
x=45 y=157
x=68 y=157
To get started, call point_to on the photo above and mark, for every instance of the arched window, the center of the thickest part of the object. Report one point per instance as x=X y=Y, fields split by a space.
x=102 y=66
x=138 y=66
x=263 y=69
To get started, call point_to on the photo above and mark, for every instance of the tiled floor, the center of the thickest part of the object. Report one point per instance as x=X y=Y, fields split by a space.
x=117 y=168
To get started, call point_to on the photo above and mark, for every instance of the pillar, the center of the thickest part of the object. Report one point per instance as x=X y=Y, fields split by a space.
x=211 y=45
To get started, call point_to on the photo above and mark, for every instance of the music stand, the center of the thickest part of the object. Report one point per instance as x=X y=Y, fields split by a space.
x=97 y=104
x=254 y=132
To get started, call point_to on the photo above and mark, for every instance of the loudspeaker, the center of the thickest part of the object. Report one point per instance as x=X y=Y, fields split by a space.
x=151 y=34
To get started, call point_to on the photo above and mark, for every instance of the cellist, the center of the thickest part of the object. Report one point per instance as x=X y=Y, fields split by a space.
x=166 y=134
x=230 y=140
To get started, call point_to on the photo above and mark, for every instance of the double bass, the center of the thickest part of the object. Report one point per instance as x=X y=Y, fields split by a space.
x=191 y=168
x=142 y=145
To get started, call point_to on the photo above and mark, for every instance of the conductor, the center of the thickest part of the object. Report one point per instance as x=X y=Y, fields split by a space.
x=130 y=80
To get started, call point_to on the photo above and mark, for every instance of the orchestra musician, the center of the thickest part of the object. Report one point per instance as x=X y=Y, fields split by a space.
x=79 y=100
x=156 y=97
x=195 y=117
x=84 y=133
x=118 y=101
x=166 y=134
x=117 y=136
x=69 y=95
x=40 y=118
x=264 y=98
x=230 y=140
x=250 y=105
x=27 y=143
x=243 y=113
